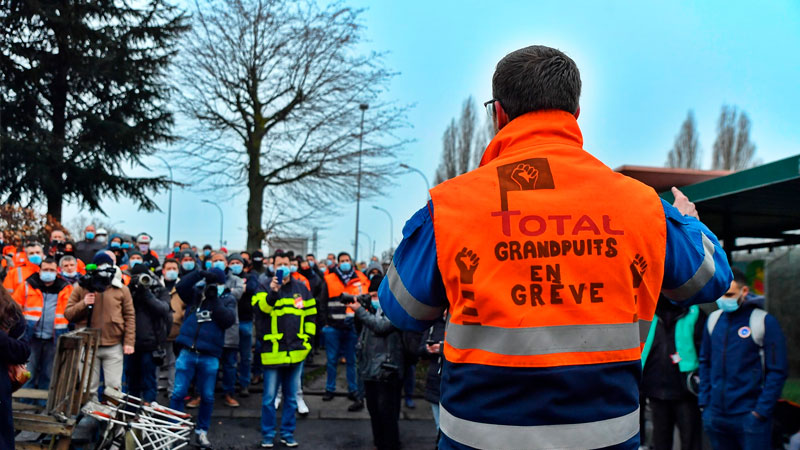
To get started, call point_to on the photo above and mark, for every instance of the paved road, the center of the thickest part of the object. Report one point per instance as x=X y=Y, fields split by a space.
x=322 y=434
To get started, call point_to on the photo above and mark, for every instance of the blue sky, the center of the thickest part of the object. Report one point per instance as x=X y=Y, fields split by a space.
x=643 y=66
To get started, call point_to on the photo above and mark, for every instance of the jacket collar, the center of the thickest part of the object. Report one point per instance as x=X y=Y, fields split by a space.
x=534 y=128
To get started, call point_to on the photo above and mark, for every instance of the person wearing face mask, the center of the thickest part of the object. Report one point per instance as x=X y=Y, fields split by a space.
x=285 y=310
x=210 y=310
x=150 y=256
x=43 y=298
x=380 y=366
x=238 y=267
x=188 y=262
x=89 y=246
x=101 y=237
x=170 y=272
x=293 y=270
x=25 y=267
x=257 y=262
x=206 y=255
x=235 y=286
x=134 y=259
x=68 y=269
x=339 y=331
x=176 y=248
x=151 y=303
x=743 y=366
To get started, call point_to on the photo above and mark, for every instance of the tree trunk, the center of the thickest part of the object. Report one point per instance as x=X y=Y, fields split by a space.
x=255 y=203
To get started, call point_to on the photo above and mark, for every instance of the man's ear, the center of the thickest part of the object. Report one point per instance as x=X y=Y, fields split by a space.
x=500 y=116
x=577 y=112
x=745 y=291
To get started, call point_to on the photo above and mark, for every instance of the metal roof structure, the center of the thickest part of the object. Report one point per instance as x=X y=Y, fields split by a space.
x=761 y=202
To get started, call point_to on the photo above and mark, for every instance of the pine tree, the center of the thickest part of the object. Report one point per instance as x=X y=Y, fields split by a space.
x=84 y=98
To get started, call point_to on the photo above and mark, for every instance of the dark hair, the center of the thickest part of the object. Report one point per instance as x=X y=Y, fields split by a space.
x=311 y=255
x=739 y=277
x=10 y=312
x=49 y=260
x=536 y=78
x=338 y=257
x=280 y=254
x=172 y=260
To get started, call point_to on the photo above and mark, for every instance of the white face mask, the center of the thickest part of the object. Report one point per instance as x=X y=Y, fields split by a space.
x=101 y=238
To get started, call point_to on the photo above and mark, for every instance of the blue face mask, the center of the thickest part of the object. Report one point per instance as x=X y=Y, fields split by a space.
x=218 y=265
x=207 y=253
x=271 y=268
x=285 y=271
x=133 y=262
x=236 y=268
x=323 y=269
x=220 y=289
x=171 y=275
x=208 y=265
x=728 y=304
x=71 y=276
x=115 y=245
x=35 y=259
x=126 y=245
x=312 y=263
x=345 y=267
x=376 y=304
x=293 y=269
x=176 y=249
x=47 y=277
x=188 y=265
x=89 y=235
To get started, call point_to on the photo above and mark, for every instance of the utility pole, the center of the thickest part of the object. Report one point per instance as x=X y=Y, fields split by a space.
x=363 y=107
x=169 y=209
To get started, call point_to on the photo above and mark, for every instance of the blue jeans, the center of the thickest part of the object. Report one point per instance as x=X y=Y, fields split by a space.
x=245 y=352
x=344 y=340
x=288 y=377
x=205 y=368
x=40 y=363
x=140 y=374
x=256 y=369
x=742 y=431
x=229 y=370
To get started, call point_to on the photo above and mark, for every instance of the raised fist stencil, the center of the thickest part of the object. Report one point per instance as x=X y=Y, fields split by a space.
x=467 y=263
x=638 y=267
x=525 y=176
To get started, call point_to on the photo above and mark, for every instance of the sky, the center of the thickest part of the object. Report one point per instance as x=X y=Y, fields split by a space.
x=643 y=66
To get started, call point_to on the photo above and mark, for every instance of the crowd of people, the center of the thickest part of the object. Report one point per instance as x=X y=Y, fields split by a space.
x=208 y=316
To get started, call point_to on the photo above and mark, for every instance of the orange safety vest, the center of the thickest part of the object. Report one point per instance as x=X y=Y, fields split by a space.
x=356 y=286
x=548 y=257
x=17 y=276
x=302 y=278
x=32 y=302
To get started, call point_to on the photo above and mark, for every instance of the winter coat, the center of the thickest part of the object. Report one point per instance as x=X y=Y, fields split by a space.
x=13 y=350
x=380 y=347
x=245 y=309
x=204 y=334
x=113 y=313
x=434 y=379
x=732 y=380
x=661 y=378
x=236 y=286
x=286 y=319
x=153 y=317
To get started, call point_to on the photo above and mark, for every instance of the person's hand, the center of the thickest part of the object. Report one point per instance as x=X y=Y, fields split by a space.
x=433 y=349
x=355 y=306
x=89 y=299
x=273 y=285
x=127 y=349
x=683 y=204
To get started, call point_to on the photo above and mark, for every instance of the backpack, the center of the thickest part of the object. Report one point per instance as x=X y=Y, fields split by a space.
x=757 y=329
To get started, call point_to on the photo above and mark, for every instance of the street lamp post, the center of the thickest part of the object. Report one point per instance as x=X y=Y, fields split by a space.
x=363 y=107
x=391 y=226
x=169 y=209
x=369 y=239
x=220 y=220
x=414 y=169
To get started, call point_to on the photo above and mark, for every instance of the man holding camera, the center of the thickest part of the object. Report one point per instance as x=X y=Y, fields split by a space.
x=286 y=310
x=151 y=302
x=210 y=310
x=103 y=302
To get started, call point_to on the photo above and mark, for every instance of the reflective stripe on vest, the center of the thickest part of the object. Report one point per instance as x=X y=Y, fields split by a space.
x=603 y=433
x=703 y=274
x=411 y=305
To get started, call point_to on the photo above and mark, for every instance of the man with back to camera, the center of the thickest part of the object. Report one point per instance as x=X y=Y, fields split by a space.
x=743 y=366
x=551 y=264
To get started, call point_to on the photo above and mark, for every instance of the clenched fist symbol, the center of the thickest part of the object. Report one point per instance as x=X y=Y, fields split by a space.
x=467 y=263
x=638 y=267
x=525 y=176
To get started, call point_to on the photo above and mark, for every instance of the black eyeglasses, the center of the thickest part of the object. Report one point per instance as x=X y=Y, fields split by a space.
x=489 y=106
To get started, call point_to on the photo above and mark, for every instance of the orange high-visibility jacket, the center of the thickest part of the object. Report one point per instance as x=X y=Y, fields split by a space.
x=31 y=300
x=16 y=277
